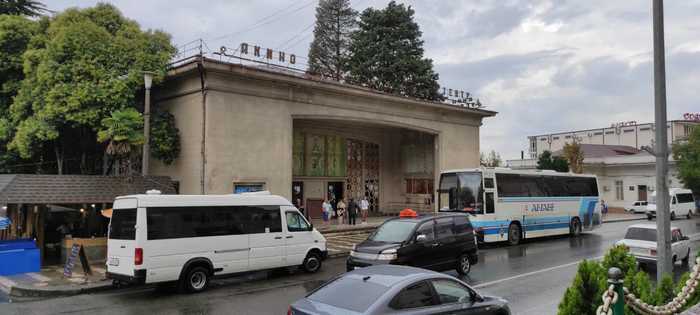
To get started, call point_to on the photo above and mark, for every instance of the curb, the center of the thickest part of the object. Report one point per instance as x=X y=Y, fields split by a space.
x=623 y=220
x=24 y=291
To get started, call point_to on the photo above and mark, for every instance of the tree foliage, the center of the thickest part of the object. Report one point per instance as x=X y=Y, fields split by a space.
x=386 y=54
x=81 y=67
x=574 y=155
x=123 y=131
x=687 y=156
x=165 y=137
x=548 y=162
x=328 y=54
x=22 y=7
x=493 y=159
x=582 y=297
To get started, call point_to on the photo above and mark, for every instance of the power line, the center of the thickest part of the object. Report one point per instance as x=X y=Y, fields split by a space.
x=282 y=45
x=266 y=20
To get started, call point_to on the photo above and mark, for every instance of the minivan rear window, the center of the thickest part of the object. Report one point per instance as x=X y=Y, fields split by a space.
x=122 y=226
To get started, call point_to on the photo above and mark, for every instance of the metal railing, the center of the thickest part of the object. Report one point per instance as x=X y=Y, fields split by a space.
x=616 y=296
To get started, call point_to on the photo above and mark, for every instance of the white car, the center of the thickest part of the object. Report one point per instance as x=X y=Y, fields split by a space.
x=641 y=240
x=637 y=207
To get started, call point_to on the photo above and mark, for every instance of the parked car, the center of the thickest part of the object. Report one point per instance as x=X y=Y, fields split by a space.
x=438 y=242
x=682 y=203
x=637 y=207
x=641 y=240
x=388 y=289
x=189 y=239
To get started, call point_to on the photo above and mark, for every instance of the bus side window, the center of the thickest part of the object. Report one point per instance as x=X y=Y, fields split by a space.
x=489 y=203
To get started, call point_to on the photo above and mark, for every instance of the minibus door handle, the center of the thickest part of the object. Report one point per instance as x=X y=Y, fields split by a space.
x=278 y=237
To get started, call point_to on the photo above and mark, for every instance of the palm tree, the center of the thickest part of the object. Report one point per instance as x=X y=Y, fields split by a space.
x=22 y=7
x=123 y=131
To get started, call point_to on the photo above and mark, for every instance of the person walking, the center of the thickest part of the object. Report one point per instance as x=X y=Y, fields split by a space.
x=326 y=209
x=341 y=210
x=603 y=208
x=353 y=210
x=364 y=208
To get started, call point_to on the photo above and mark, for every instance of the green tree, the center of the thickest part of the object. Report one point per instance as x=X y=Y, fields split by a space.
x=574 y=156
x=328 y=54
x=548 y=162
x=22 y=7
x=165 y=137
x=584 y=295
x=84 y=66
x=123 y=133
x=687 y=156
x=386 y=54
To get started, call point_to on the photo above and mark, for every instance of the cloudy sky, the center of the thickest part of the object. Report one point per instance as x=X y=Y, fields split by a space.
x=544 y=65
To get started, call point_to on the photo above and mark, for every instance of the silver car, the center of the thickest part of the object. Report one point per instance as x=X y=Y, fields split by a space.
x=394 y=289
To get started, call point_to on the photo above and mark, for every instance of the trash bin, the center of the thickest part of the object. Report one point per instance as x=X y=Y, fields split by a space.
x=19 y=256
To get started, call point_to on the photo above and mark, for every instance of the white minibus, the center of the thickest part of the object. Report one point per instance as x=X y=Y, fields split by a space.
x=189 y=239
x=681 y=200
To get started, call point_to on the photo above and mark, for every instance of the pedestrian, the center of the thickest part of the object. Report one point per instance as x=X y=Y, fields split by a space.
x=353 y=210
x=364 y=208
x=341 y=211
x=326 y=210
x=603 y=208
x=300 y=206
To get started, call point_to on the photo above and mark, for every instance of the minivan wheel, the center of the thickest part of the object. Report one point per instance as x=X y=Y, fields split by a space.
x=649 y=217
x=690 y=214
x=514 y=234
x=463 y=265
x=196 y=280
x=312 y=263
x=575 y=228
x=673 y=215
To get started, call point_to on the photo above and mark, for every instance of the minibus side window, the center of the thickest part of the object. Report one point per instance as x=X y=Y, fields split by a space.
x=295 y=223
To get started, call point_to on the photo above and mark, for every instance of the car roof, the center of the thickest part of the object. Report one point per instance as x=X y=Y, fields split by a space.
x=648 y=226
x=391 y=275
x=429 y=216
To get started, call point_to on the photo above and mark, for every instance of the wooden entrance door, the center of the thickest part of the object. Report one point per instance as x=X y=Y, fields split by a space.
x=642 y=192
x=313 y=208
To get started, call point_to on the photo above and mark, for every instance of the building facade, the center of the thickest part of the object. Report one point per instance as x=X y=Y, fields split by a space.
x=249 y=128
x=615 y=154
x=627 y=134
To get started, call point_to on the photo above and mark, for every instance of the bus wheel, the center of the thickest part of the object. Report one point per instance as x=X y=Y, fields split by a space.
x=575 y=227
x=514 y=234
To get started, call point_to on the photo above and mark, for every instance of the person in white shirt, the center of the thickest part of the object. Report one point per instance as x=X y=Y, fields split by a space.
x=364 y=208
x=327 y=210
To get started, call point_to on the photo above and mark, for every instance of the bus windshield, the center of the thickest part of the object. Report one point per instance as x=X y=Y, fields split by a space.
x=461 y=192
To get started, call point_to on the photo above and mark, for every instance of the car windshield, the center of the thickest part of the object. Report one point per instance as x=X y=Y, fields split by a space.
x=395 y=231
x=349 y=293
x=641 y=234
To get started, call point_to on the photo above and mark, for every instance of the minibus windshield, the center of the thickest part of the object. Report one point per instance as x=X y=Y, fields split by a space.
x=395 y=231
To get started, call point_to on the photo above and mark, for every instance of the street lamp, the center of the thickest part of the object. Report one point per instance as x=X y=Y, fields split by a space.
x=147 y=82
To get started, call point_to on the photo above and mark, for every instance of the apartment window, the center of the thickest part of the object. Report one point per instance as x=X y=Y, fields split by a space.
x=609 y=132
x=555 y=138
x=619 y=190
x=567 y=137
x=628 y=130
x=599 y=133
x=644 y=128
x=543 y=139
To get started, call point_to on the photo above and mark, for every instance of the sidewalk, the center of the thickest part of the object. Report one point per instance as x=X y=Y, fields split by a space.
x=50 y=282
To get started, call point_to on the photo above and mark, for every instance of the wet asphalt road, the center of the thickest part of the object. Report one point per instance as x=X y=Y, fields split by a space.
x=532 y=276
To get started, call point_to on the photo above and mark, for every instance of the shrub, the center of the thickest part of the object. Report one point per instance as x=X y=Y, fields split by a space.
x=583 y=297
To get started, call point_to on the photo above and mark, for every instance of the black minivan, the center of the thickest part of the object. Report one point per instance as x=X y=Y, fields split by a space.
x=437 y=242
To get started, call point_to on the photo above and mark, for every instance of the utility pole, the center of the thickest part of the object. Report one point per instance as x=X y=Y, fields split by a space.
x=663 y=222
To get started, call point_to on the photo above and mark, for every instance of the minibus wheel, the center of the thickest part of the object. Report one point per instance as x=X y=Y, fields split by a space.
x=196 y=280
x=673 y=215
x=312 y=263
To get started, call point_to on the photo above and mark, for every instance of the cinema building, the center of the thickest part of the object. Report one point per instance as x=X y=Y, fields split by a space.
x=247 y=128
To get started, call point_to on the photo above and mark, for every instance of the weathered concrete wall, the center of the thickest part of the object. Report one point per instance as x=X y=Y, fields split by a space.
x=249 y=127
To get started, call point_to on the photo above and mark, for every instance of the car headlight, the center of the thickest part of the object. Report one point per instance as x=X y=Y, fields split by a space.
x=389 y=254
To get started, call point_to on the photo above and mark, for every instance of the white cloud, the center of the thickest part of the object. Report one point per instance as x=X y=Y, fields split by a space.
x=545 y=65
